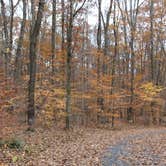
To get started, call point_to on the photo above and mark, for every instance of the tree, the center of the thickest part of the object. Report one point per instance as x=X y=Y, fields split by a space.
x=12 y=11
x=151 y=39
x=53 y=33
x=99 y=52
x=106 y=35
x=20 y=44
x=71 y=15
x=63 y=24
x=6 y=36
x=115 y=29
x=80 y=72
x=132 y=21
x=34 y=33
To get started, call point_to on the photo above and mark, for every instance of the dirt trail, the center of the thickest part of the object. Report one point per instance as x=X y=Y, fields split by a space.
x=147 y=148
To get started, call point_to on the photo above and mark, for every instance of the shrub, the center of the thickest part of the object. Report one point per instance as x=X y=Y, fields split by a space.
x=15 y=143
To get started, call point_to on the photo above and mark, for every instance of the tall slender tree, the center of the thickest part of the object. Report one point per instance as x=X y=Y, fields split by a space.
x=53 y=38
x=6 y=37
x=151 y=39
x=131 y=15
x=17 y=72
x=106 y=35
x=34 y=34
x=71 y=16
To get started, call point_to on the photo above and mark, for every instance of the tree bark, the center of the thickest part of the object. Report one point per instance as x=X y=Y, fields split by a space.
x=114 y=59
x=53 y=40
x=68 y=65
x=99 y=53
x=132 y=21
x=34 y=33
x=17 y=73
x=151 y=39
x=106 y=35
x=63 y=24
x=71 y=16
x=6 y=35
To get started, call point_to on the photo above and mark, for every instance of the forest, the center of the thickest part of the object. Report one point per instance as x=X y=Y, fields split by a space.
x=82 y=82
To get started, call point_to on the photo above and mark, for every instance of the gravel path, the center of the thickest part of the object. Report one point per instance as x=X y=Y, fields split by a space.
x=147 y=148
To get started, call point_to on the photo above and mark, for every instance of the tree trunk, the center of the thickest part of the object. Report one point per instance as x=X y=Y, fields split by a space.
x=151 y=39
x=17 y=73
x=63 y=24
x=11 y=24
x=68 y=65
x=6 y=43
x=70 y=20
x=132 y=21
x=114 y=59
x=34 y=33
x=99 y=54
x=53 y=40
x=106 y=36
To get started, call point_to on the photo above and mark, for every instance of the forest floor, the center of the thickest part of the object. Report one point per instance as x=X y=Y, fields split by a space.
x=86 y=147
x=127 y=145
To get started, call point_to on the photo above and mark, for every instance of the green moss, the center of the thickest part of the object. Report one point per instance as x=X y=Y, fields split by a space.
x=15 y=143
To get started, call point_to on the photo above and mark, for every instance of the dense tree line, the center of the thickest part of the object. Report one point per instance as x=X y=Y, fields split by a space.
x=97 y=73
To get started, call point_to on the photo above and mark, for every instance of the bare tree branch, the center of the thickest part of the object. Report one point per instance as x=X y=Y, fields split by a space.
x=76 y=12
